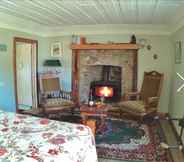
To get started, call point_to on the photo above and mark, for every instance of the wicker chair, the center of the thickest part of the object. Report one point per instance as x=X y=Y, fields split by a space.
x=146 y=101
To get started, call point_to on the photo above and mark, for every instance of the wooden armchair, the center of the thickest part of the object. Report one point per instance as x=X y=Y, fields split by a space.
x=146 y=101
x=52 y=98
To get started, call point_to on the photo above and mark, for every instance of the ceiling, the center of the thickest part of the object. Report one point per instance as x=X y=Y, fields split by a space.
x=59 y=14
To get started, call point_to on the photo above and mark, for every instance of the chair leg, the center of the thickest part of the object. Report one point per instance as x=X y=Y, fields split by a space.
x=141 y=119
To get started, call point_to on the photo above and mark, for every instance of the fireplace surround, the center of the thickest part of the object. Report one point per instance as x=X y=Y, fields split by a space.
x=113 y=66
x=88 y=60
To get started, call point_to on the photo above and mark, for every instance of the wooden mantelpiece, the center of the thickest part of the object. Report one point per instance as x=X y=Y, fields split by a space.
x=98 y=46
x=115 y=46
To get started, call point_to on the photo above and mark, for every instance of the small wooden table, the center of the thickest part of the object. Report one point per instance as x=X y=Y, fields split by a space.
x=87 y=111
x=100 y=110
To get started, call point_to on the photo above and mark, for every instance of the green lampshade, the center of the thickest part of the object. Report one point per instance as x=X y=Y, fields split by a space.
x=53 y=63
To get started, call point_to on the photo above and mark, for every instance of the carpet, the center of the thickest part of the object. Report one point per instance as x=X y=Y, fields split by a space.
x=128 y=140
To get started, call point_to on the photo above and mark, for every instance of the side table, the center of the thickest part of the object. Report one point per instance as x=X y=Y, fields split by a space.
x=87 y=111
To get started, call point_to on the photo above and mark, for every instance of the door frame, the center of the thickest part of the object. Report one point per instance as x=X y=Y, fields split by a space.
x=23 y=40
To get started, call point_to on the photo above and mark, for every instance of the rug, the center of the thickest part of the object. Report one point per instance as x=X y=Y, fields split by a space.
x=128 y=140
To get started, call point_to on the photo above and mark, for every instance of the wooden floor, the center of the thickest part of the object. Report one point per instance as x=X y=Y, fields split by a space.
x=177 y=155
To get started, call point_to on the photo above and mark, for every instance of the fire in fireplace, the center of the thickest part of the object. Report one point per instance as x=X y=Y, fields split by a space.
x=104 y=91
x=109 y=90
x=109 y=86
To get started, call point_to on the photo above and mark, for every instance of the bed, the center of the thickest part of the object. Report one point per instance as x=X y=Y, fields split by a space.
x=26 y=138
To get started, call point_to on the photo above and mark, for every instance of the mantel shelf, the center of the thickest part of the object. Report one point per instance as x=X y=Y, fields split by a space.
x=116 y=46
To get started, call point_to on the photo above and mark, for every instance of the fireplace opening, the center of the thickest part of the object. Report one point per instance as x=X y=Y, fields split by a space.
x=109 y=90
x=109 y=87
x=104 y=91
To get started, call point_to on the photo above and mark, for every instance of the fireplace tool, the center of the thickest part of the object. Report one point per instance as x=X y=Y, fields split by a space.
x=179 y=144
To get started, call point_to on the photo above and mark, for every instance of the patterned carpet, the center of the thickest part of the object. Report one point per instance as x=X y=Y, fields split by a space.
x=128 y=140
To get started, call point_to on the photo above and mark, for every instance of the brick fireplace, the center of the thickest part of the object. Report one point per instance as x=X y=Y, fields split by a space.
x=90 y=63
x=113 y=68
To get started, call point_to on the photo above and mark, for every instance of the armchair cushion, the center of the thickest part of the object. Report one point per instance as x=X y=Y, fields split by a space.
x=138 y=105
x=52 y=102
x=63 y=98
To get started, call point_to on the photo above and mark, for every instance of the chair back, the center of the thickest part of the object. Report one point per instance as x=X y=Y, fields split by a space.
x=152 y=84
x=49 y=83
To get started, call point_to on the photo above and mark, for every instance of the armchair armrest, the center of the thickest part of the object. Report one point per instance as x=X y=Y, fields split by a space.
x=132 y=94
x=152 y=101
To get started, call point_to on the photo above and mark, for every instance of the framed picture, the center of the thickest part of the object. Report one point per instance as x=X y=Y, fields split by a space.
x=56 y=49
x=178 y=52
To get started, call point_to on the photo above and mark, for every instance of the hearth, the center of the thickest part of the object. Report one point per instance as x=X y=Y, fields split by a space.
x=109 y=87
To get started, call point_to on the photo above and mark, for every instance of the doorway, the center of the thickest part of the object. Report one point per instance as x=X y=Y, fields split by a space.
x=25 y=73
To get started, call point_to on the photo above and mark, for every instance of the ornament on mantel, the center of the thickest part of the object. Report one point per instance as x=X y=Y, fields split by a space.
x=133 y=39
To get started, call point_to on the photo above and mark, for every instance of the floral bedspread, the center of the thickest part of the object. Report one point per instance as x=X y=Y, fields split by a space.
x=25 y=138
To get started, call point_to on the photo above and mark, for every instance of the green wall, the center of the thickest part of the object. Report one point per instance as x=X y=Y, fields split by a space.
x=7 y=97
x=161 y=45
x=66 y=59
x=176 y=108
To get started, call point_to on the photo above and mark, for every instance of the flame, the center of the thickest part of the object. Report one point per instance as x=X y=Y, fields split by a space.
x=105 y=91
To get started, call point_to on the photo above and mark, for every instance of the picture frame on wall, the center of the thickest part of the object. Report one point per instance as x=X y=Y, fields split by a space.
x=178 y=52
x=56 y=49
